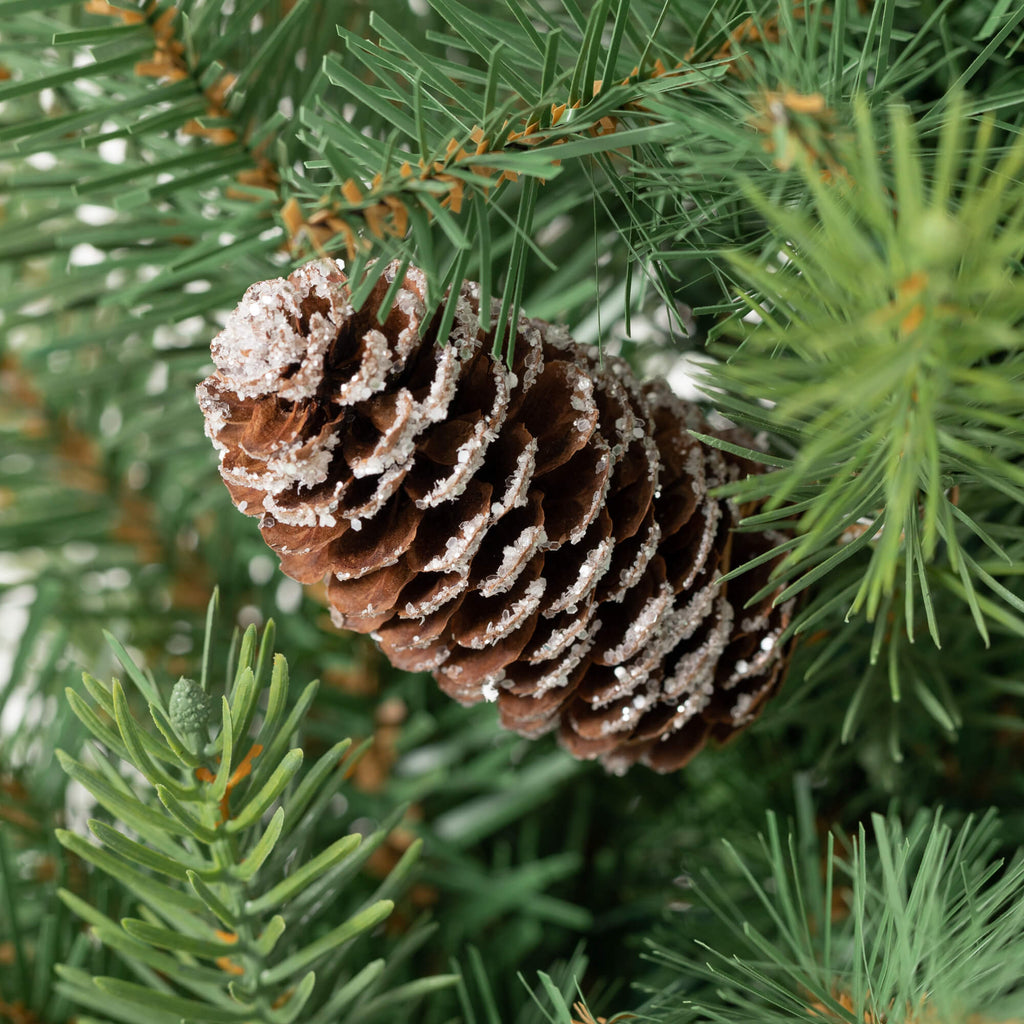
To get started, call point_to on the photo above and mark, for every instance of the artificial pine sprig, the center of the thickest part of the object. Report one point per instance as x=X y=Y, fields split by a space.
x=915 y=925
x=886 y=356
x=234 y=916
x=423 y=171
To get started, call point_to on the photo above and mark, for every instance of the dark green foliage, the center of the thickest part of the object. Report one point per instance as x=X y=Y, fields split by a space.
x=156 y=161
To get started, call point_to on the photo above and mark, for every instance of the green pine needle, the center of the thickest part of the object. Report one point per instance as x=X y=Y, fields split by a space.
x=234 y=939
x=907 y=925
x=884 y=346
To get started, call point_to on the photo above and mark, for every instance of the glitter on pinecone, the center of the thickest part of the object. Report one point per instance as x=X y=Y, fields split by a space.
x=540 y=536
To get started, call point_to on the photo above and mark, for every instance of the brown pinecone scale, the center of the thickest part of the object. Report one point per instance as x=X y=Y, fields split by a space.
x=539 y=535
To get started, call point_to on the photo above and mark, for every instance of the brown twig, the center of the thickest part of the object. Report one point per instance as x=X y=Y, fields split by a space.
x=924 y=1014
x=381 y=204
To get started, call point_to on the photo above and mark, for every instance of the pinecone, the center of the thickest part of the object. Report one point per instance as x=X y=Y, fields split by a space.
x=540 y=535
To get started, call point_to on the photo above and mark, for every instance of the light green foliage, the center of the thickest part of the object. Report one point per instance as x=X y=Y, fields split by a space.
x=906 y=925
x=888 y=357
x=231 y=917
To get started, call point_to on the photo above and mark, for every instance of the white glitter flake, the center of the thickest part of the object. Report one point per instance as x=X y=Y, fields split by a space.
x=695 y=669
x=712 y=514
x=514 y=558
x=640 y=630
x=460 y=548
x=630 y=576
x=740 y=712
x=517 y=488
x=560 y=639
x=558 y=676
x=591 y=570
x=512 y=617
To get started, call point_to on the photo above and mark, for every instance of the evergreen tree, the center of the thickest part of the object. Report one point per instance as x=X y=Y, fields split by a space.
x=809 y=217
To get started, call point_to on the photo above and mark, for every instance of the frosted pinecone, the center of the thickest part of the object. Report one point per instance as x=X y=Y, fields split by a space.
x=540 y=536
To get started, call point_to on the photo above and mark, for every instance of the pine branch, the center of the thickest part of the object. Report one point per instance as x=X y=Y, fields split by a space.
x=793 y=71
x=121 y=517
x=231 y=923
x=912 y=925
x=89 y=549
x=401 y=179
x=187 y=94
x=102 y=269
x=112 y=300
x=547 y=1002
x=885 y=351
x=932 y=724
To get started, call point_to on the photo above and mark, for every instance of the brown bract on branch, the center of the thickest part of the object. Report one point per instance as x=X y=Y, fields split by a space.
x=380 y=206
x=752 y=32
x=170 y=63
x=586 y=1017
x=798 y=126
x=749 y=32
